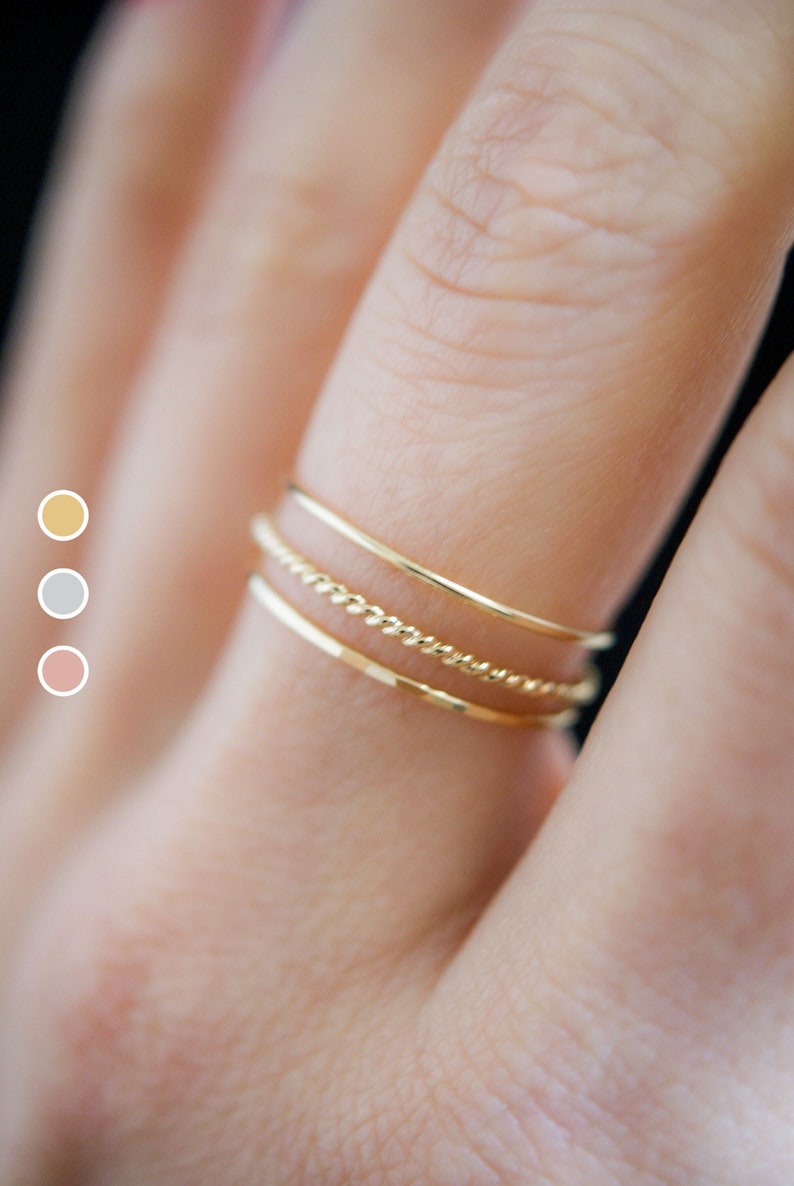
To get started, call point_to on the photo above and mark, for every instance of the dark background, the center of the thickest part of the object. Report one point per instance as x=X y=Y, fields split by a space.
x=41 y=43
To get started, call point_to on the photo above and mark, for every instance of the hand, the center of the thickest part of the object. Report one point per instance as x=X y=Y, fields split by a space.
x=263 y=920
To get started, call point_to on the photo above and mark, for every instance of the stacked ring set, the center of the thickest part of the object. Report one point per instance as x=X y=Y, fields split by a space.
x=63 y=593
x=567 y=698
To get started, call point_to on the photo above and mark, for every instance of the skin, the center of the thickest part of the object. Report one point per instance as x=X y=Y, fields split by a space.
x=262 y=919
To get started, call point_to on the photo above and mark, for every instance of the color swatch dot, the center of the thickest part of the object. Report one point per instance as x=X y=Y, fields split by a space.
x=63 y=671
x=63 y=593
x=63 y=515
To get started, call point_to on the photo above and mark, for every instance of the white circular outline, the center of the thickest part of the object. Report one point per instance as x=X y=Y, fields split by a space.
x=47 y=687
x=72 y=572
x=46 y=499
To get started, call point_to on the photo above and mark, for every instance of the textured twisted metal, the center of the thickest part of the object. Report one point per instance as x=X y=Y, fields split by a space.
x=591 y=640
x=272 y=543
x=285 y=613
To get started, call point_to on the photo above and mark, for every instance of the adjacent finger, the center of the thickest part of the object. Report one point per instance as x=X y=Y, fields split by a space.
x=305 y=204
x=672 y=948
x=149 y=110
x=328 y=145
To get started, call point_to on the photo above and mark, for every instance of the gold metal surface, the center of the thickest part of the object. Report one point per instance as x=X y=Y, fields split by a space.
x=272 y=543
x=289 y=617
x=591 y=640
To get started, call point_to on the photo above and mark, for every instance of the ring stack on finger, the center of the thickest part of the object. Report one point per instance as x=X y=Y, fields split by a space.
x=567 y=697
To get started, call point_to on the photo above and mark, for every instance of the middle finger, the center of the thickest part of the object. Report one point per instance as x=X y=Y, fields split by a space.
x=532 y=379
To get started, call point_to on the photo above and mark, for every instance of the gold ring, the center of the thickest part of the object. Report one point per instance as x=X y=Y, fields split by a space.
x=289 y=617
x=591 y=640
x=272 y=544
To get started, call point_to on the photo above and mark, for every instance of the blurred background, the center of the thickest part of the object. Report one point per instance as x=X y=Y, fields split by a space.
x=40 y=46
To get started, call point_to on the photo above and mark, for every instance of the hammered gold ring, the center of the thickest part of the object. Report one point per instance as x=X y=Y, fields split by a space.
x=285 y=613
x=272 y=544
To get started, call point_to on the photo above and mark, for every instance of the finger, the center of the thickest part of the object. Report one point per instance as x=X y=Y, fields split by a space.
x=527 y=387
x=674 y=943
x=307 y=196
x=138 y=147
x=285 y=248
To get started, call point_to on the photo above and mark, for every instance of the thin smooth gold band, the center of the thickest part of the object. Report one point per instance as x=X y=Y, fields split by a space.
x=591 y=640
x=289 y=617
x=272 y=544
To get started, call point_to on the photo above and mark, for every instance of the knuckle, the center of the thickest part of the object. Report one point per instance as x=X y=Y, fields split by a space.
x=514 y=211
x=577 y=191
x=591 y=160
x=129 y=128
x=285 y=227
x=304 y=208
x=551 y=206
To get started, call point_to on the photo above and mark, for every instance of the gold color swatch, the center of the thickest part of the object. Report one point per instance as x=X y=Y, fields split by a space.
x=63 y=515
